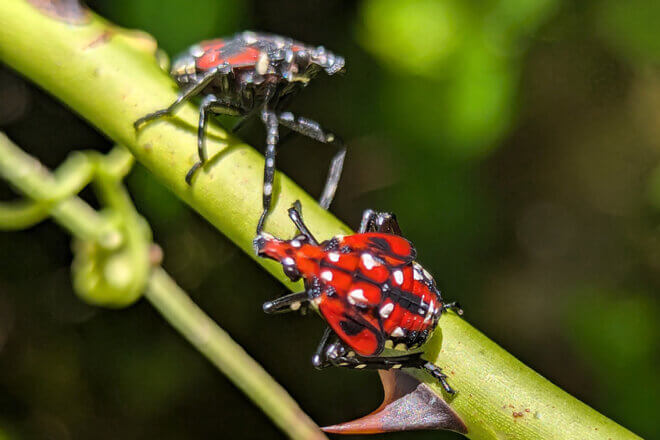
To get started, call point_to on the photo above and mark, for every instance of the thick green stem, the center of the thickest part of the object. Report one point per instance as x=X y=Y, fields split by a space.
x=100 y=72
x=30 y=178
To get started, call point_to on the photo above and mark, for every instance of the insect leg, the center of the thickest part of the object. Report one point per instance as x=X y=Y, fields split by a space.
x=191 y=91
x=201 y=132
x=210 y=104
x=455 y=306
x=413 y=360
x=313 y=130
x=320 y=360
x=436 y=372
x=332 y=181
x=286 y=303
x=269 y=118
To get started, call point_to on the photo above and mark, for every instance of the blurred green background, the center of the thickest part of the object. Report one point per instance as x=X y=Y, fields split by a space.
x=518 y=142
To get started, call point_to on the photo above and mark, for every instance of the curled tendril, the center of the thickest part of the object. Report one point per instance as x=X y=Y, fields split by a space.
x=114 y=270
x=112 y=251
x=115 y=273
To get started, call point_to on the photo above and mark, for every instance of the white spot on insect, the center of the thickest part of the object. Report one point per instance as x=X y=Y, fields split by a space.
x=417 y=272
x=196 y=50
x=268 y=189
x=427 y=274
x=288 y=261
x=368 y=261
x=344 y=364
x=333 y=256
x=398 y=332
x=389 y=343
x=270 y=163
x=326 y=275
x=360 y=366
x=288 y=56
x=386 y=310
x=429 y=312
x=396 y=366
x=262 y=63
x=295 y=243
x=330 y=138
x=398 y=277
x=401 y=347
x=350 y=354
x=249 y=37
x=357 y=296
x=295 y=306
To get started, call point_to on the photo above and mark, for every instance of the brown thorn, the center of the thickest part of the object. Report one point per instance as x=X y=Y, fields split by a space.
x=408 y=405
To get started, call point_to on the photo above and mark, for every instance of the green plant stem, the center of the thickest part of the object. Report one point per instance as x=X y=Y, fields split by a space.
x=229 y=357
x=33 y=180
x=21 y=215
x=101 y=73
x=30 y=178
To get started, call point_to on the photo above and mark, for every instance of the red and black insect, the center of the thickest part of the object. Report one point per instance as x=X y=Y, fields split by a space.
x=367 y=287
x=254 y=73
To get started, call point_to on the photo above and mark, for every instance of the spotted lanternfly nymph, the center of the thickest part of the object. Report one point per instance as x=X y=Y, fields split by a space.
x=255 y=73
x=367 y=287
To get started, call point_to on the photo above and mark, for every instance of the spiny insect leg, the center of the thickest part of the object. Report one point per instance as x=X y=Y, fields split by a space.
x=191 y=91
x=455 y=306
x=209 y=105
x=269 y=119
x=336 y=355
x=286 y=303
x=313 y=130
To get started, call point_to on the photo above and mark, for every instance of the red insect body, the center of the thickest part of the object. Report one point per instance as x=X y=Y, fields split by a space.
x=369 y=289
x=215 y=54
